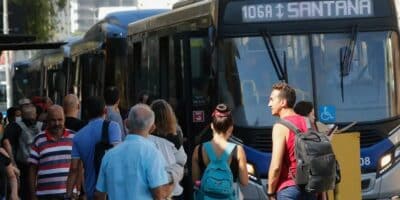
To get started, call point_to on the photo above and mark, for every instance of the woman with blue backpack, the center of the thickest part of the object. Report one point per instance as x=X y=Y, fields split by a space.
x=218 y=165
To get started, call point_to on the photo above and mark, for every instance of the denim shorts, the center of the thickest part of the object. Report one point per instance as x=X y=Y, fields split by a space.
x=295 y=193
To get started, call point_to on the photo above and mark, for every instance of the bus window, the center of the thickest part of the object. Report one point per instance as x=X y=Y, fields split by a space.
x=367 y=76
x=200 y=65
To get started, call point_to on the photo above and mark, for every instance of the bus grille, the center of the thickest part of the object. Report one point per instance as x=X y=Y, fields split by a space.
x=257 y=139
x=369 y=138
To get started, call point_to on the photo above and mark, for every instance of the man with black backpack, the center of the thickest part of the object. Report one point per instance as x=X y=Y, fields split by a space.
x=90 y=143
x=293 y=173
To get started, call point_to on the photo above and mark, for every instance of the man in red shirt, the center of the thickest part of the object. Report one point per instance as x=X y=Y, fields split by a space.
x=283 y=162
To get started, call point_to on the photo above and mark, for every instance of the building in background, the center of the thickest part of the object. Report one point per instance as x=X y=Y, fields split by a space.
x=104 y=11
x=156 y=4
x=85 y=13
x=63 y=23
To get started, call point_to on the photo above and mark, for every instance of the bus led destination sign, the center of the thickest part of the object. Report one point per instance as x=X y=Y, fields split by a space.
x=307 y=10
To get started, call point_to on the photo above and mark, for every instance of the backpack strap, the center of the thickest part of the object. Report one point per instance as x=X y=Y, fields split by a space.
x=210 y=151
x=104 y=131
x=228 y=150
x=225 y=155
x=290 y=126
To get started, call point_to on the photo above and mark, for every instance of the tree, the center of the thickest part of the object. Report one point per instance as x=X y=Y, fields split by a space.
x=40 y=16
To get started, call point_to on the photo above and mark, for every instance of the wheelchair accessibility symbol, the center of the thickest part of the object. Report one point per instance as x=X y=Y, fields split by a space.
x=327 y=114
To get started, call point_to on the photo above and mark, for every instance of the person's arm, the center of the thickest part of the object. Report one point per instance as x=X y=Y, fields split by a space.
x=180 y=156
x=72 y=176
x=160 y=182
x=74 y=168
x=278 y=149
x=32 y=180
x=11 y=174
x=162 y=192
x=79 y=177
x=7 y=146
x=177 y=167
x=33 y=160
x=13 y=182
x=114 y=133
x=195 y=165
x=243 y=174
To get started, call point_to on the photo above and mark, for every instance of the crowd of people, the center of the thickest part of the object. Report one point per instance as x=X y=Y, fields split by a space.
x=54 y=155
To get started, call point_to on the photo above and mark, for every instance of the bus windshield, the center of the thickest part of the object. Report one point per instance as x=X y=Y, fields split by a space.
x=365 y=90
x=362 y=92
x=250 y=74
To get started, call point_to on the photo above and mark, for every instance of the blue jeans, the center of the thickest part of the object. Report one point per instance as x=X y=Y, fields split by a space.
x=295 y=193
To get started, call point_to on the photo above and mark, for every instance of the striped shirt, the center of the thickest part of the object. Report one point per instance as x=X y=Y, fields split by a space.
x=53 y=160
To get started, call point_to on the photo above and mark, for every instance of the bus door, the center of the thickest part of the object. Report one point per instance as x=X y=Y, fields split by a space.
x=195 y=105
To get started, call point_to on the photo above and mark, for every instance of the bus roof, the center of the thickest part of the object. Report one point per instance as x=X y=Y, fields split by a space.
x=173 y=17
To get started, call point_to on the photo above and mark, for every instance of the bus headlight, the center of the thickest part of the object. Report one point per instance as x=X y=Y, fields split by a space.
x=387 y=160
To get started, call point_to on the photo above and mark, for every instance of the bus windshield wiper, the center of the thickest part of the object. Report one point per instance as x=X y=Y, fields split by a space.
x=346 y=57
x=280 y=70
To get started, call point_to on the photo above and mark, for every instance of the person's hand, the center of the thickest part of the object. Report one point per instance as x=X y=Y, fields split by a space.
x=14 y=197
x=16 y=171
x=272 y=197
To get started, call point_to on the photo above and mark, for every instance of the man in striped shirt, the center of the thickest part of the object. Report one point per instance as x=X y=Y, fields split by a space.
x=50 y=158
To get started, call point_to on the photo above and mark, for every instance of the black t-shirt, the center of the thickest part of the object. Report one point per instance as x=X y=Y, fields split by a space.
x=74 y=124
x=13 y=131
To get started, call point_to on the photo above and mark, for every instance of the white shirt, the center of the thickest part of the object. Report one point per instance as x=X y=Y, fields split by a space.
x=174 y=158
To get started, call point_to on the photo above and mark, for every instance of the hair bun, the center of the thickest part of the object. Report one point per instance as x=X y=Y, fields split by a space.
x=222 y=108
x=221 y=111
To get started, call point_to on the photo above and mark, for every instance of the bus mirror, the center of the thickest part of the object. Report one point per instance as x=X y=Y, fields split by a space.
x=364 y=54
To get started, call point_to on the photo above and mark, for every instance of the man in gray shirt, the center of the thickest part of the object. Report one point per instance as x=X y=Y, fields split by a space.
x=111 y=97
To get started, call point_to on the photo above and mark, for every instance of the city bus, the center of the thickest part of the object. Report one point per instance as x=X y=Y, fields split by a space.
x=85 y=65
x=342 y=55
x=99 y=58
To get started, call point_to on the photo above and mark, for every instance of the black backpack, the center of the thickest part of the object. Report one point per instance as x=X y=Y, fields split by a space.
x=101 y=147
x=317 y=169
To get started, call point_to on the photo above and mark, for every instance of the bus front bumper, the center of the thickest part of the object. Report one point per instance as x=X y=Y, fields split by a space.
x=383 y=187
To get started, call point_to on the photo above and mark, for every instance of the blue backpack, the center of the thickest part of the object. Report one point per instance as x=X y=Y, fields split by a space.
x=217 y=181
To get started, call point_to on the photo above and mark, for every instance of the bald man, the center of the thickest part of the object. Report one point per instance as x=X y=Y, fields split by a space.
x=50 y=158
x=71 y=110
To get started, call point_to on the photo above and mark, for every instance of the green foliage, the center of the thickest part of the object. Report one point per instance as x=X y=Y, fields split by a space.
x=40 y=16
